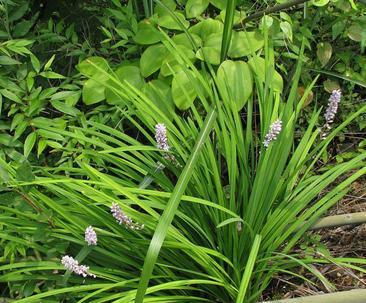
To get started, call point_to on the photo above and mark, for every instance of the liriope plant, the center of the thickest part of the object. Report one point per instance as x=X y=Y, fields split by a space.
x=204 y=206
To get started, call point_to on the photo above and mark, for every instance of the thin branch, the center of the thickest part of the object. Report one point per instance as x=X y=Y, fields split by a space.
x=273 y=9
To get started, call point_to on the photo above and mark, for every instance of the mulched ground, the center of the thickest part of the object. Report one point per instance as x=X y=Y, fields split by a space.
x=346 y=241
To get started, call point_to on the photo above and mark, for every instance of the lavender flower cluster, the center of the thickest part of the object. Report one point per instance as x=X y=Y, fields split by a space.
x=122 y=218
x=161 y=137
x=73 y=265
x=274 y=131
x=332 y=108
x=90 y=236
x=162 y=143
x=91 y=239
x=331 y=111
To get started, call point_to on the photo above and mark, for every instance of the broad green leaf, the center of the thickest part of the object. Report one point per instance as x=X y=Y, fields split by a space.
x=5 y=60
x=324 y=52
x=152 y=59
x=64 y=108
x=63 y=95
x=266 y=22
x=211 y=50
x=35 y=63
x=162 y=6
x=285 y=17
x=49 y=62
x=29 y=143
x=206 y=28
x=11 y=96
x=161 y=94
x=20 y=129
x=50 y=135
x=183 y=91
x=170 y=22
x=319 y=2
x=147 y=33
x=22 y=28
x=19 y=11
x=170 y=64
x=286 y=29
x=54 y=144
x=19 y=117
x=257 y=64
x=93 y=92
x=24 y=172
x=245 y=43
x=218 y=3
x=338 y=28
x=131 y=74
x=194 y=8
x=30 y=80
x=239 y=16
x=330 y=85
x=42 y=144
x=357 y=32
x=182 y=39
x=88 y=67
x=236 y=79
x=51 y=75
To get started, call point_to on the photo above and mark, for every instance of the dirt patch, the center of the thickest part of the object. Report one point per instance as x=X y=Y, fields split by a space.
x=344 y=242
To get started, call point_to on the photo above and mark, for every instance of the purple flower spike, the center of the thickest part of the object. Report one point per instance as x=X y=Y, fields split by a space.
x=90 y=236
x=122 y=218
x=332 y=108
x=331 y=111
x=73 y=265
x=274 y=131
x=161 y=137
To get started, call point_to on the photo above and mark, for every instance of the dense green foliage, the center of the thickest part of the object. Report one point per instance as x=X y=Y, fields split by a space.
x=82 y=88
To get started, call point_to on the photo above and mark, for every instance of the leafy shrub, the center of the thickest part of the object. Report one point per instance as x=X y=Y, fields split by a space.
x=221 y=209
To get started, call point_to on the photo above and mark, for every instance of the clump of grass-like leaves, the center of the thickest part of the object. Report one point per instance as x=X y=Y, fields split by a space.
x=219 y=221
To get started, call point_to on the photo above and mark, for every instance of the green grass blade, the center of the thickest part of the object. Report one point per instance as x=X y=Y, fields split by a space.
x=248 y=270
x=340 y=76
x=171 y=208
x=147 y=11
x=228 y=28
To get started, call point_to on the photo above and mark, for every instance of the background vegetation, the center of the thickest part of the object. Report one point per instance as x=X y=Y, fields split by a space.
x=82 y=87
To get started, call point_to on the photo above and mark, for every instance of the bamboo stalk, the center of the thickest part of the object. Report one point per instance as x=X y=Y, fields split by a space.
x=350 y=296
x=340 y=220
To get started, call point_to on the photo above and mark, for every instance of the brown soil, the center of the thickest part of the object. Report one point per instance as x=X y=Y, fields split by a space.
x=346 y=241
